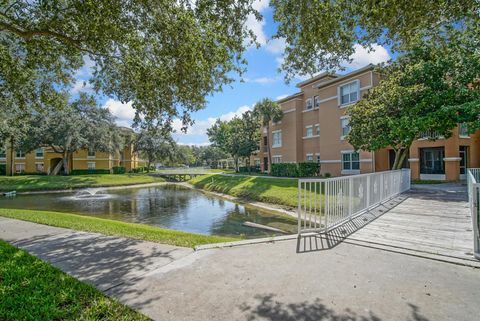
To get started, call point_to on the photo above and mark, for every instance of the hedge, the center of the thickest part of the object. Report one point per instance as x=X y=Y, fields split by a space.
x=118 y=170
x=249 y=169
x=89 y=171
x=305 y=169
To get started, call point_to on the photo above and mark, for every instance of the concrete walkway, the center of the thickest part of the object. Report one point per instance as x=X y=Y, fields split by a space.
x=352 y=280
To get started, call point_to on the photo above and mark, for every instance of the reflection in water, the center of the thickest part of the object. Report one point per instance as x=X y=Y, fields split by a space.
x=169 y=206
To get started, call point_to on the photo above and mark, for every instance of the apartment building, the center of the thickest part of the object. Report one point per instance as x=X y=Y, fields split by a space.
x=315 y=124
x=44 y=160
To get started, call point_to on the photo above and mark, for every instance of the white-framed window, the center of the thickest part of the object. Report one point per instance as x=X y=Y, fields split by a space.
x=309 y=131
x=19 y=154
x=316 y=101
x=344 y=122
x=317 y=129
x=277 y=138
x=348 y=93
x=39 y=153
x=309 y=103
x=276 y=159
x=309 y=157
x=39 y=167
x=463 y=130
x=19 y=168
x=91 y=153
x=350 y=161
x=3 y=153
x=90 y=165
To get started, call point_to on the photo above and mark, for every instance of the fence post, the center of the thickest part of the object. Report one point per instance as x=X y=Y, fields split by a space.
x=350 y=196
x=368 y=191
x=299 y=206
x=475 y=217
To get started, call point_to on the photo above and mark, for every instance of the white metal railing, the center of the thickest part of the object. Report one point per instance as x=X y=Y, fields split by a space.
x=473 y=179
x=326 y=203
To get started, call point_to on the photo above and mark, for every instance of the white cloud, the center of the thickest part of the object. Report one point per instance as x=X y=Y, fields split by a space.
x=81 y=86
x=363 y=56
x=276 y=46
x=124 y=113
x=262 y=80
x=255 y=25
x=86 y=70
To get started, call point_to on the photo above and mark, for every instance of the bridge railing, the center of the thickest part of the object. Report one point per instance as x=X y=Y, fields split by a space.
x=324 y=204
x=473 y=180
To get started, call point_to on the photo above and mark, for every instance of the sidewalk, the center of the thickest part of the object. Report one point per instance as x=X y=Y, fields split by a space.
x=257 y=282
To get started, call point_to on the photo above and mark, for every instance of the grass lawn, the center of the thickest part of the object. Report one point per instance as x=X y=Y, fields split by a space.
x=34 y=290
x=269 y=190
x=43 y=182
x=115 y=228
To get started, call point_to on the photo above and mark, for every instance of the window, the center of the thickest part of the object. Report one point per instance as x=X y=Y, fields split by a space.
x=276 y=159
x=309 y=104
x=91 y=165
x=277 y=138
x=317 y=129
x=348 y=93
x=318 y=158
x=463 y=130
x=19 y=168
x=19 y=154
x=257 y=162
x=316 y=101
x=309 y=157
x=350 y=161
x=309 y=131
x=431 y=160
x=91 y=152
x=345 y=126
x=3 y=153
x=39 y=167
x=39 y=153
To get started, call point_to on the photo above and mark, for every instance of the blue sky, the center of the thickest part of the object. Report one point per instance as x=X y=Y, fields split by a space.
x=261 y=80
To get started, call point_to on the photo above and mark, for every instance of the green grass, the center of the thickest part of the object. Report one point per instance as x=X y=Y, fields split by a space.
x=43 y=182
x=268 y=190
x=31 y=289
x=115 y=228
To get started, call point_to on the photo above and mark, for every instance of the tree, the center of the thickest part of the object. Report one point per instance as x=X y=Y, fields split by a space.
x=80 y=124
x=268 y=111
x=155 y=145
x=238 y=137
x=431 y=88
x=321 y=35
x=163 y=56
x=211 y=155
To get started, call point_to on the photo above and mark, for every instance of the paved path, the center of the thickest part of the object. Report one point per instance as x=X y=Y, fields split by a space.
x=289 y=280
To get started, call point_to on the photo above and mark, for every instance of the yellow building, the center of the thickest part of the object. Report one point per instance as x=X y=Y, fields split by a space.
x=44 y=160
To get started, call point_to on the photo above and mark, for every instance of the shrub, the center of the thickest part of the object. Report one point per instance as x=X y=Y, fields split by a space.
x=118 y=170
x=327 y=175
x=138 y=169
x=249 y=169
x=306 y=169
x=3 y=169
x=89 y=171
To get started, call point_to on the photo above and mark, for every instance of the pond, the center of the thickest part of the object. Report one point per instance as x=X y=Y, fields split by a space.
x=170 y=206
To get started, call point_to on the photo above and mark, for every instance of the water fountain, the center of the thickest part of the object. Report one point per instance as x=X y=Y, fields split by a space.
x=91 y=193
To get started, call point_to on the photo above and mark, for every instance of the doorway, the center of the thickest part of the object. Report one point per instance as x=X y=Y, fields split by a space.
x=463 y=152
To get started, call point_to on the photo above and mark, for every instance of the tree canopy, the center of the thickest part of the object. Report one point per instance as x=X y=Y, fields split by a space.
x=155 y=146
x=163 y=56
x=430 y=89
x=321 y=35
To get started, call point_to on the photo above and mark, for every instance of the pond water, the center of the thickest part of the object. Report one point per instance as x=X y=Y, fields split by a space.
x=169 y=206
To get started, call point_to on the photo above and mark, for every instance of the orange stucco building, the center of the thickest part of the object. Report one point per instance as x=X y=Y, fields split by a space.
x=314 y=126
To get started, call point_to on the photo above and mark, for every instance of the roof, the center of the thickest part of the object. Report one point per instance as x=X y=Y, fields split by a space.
x=289 y=97
x=355 y=72
x=317 y=77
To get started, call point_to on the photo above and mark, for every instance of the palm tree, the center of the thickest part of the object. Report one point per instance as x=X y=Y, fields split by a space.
x=268 y=111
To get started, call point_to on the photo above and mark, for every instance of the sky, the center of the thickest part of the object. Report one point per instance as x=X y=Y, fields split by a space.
x=261 y=80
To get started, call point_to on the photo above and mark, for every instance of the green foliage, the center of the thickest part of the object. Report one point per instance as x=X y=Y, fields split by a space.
x=163 y=56
x=156 y=145
x=118 y=170
x=430 y=88
x=323 y=35
x=115 y=228
x=304 y=169
x=249 y=169
x=89 y=171
x=44 y=182
x=139 y=169
x=34 y=290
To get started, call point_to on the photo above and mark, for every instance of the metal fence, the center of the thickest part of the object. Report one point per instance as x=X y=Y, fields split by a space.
x=326 y=203
x=473 y=179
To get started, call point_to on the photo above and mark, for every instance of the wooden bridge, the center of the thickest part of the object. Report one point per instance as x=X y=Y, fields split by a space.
x=178 y=176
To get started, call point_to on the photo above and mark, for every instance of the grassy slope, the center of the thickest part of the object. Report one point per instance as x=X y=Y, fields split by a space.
x=43 y=182
x=111 y=227
x=269 y=190
x=34 y=290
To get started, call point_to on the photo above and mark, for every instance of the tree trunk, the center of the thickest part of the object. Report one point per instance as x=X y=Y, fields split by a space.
x=235 y=160
x=12 y=154
x=66 y=162
x=400 y=155
x=269 y=156
x=148 y=166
